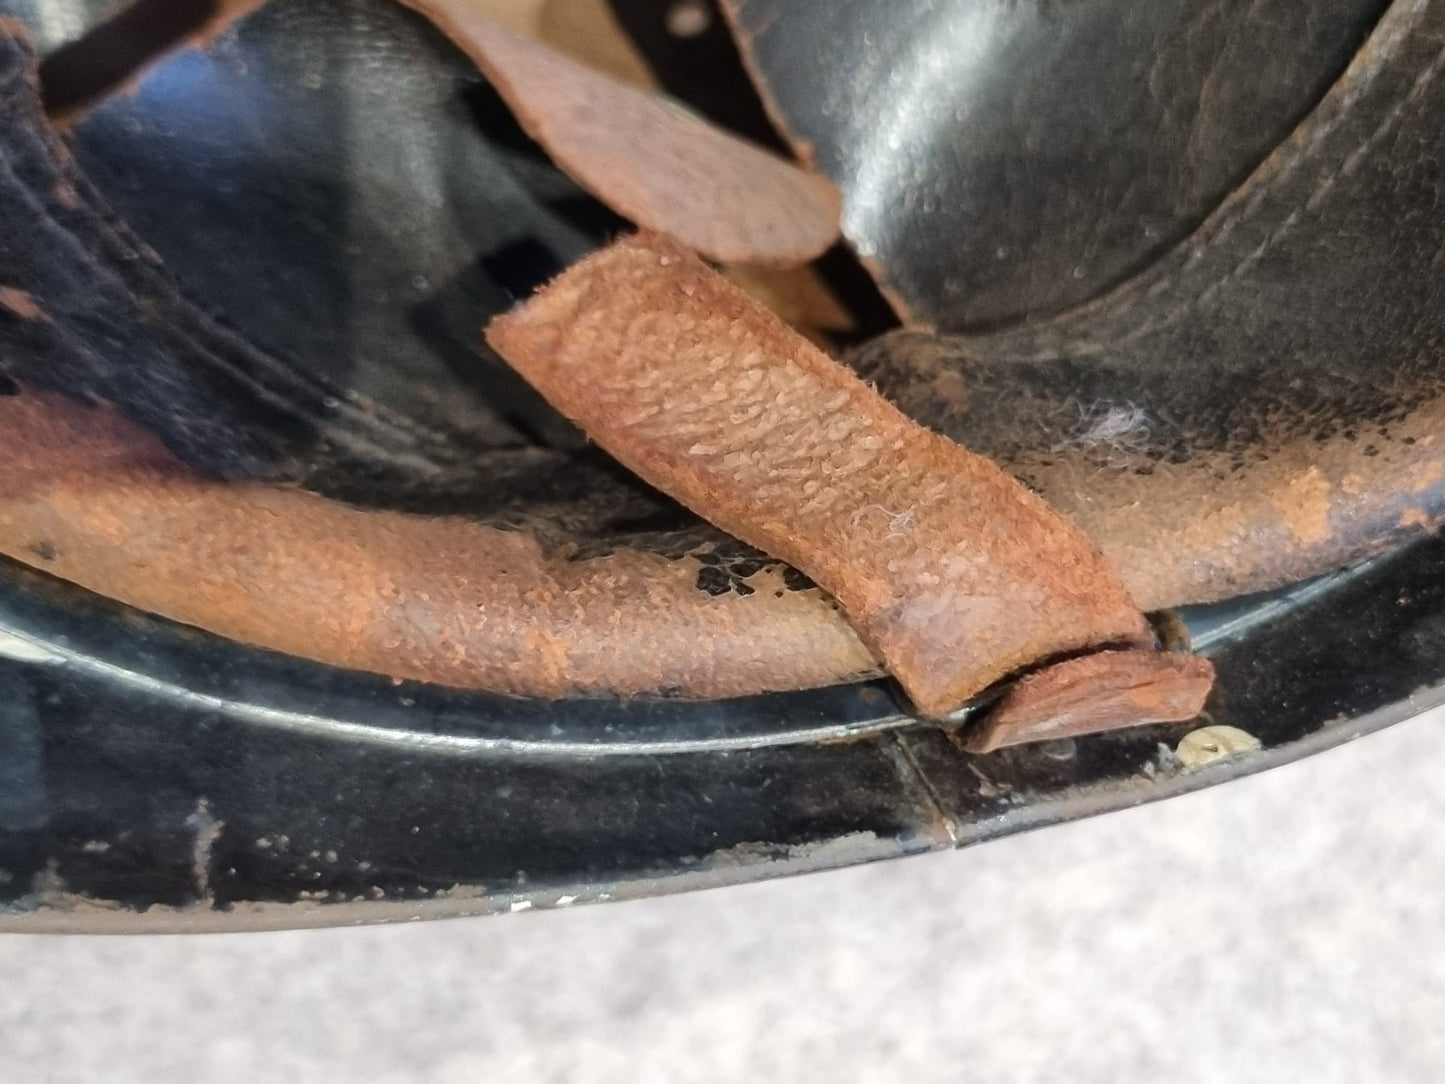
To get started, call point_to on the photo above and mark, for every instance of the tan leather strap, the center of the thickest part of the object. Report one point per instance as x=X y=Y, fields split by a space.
x=952 y=570
x=664 y=169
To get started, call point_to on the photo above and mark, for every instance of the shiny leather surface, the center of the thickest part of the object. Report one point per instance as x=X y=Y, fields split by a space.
x=1287 y=360
x=339 y=185
x=1002 y=159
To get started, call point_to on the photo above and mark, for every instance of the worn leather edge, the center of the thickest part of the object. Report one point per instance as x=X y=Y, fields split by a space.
x=1108 y=690
x=90 y=498
x=664 y=169
x=1207 y=530
x=956 y=573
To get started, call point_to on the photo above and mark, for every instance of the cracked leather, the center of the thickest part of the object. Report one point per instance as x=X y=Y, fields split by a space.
x=954 y=573
x=1284 y=361
x=1001 y=159
x=450 y=551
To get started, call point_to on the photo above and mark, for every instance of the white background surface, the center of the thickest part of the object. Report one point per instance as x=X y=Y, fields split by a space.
x=1285 y=927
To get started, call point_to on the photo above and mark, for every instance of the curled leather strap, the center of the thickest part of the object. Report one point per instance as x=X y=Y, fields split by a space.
x=952 y=570
x=665 y=170
x=1094 y=693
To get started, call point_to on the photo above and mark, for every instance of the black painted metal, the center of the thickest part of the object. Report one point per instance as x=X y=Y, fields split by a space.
x=94 y=639
x=156 y=778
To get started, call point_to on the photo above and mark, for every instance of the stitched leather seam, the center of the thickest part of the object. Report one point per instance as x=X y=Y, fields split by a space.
x=1222 y=230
